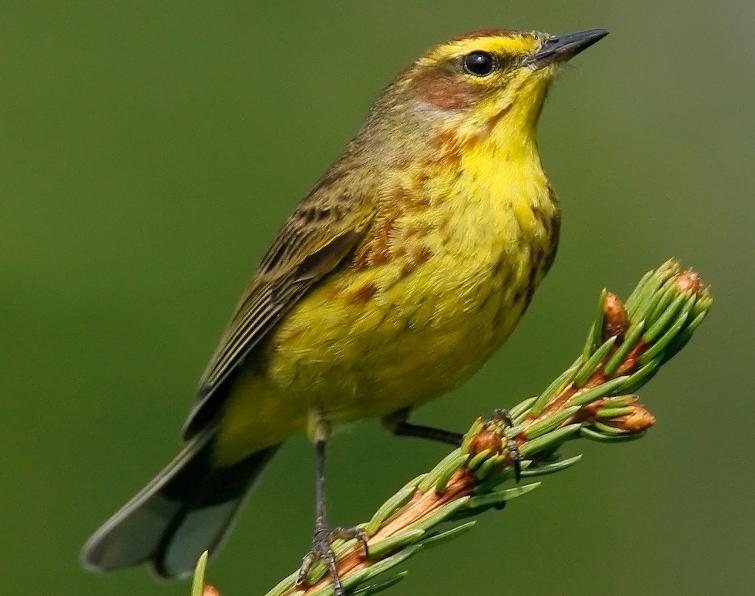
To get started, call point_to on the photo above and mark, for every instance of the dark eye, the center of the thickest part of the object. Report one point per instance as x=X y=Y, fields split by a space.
x=479 y=64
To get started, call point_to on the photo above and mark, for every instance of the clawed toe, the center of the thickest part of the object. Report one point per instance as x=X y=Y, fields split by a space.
x=322 y=550
x=348 y=534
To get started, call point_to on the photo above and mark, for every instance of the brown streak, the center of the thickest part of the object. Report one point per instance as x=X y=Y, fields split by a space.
x=471 y=141
x=405 y=200
x=382 y=246
x=417 y=256
x=362 y=293
x=442 y=140
x=377 y=250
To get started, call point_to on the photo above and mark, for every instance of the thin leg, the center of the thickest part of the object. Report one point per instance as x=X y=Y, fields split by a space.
x=323 y=536
x=320 y=513
x=406 y=429
x=398 y=425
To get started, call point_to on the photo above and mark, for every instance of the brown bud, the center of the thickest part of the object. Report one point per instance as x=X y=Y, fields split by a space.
x=614 y=316
x=210 y=590
x=688 y=281
x=636 y=422
x=486 y=439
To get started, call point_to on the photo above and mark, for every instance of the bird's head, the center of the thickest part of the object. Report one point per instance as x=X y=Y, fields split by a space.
x=472 y=82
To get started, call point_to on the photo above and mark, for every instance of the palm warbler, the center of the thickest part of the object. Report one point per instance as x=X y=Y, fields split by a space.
x=402 y=271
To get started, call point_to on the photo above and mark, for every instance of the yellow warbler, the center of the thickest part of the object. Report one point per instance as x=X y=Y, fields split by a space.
x=402 y=271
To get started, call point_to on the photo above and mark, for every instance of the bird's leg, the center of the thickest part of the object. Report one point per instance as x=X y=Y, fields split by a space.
x=324 y=535
x=397 y=424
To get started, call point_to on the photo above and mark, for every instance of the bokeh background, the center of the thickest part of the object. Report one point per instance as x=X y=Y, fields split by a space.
x=148 y=152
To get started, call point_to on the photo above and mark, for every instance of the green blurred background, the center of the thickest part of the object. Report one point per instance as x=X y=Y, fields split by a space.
x=148 y=153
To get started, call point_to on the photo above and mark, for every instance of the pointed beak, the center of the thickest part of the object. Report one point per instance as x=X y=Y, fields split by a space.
x=564 y=47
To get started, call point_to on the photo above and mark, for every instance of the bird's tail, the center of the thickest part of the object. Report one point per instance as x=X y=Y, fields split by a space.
x=187 y=509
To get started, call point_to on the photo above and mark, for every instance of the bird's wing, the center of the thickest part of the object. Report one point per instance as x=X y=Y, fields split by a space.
x=323 y=229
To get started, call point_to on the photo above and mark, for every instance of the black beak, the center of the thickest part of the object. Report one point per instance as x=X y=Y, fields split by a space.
x=564 y=47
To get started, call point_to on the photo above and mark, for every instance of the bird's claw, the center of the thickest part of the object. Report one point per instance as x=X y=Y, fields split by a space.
x=515 y=460
x=513 y=447
x=322 y=550
x=503 y=415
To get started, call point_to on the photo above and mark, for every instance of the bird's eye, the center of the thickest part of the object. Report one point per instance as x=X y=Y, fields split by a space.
x=479 y=64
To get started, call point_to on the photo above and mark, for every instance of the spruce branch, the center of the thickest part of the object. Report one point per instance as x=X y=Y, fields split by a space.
x=594 y=399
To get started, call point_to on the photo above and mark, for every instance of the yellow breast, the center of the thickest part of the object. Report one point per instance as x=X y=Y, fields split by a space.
x=445 y=274
x=443 y=279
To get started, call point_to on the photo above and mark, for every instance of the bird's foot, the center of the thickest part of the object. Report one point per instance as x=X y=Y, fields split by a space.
x=322 y=550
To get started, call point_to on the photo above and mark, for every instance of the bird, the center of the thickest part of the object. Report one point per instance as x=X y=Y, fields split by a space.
x=402 y=271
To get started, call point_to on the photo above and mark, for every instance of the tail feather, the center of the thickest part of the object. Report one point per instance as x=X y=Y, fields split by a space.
x=187 y=509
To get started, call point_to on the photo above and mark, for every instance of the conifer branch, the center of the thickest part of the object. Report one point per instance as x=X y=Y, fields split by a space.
x=593 y=399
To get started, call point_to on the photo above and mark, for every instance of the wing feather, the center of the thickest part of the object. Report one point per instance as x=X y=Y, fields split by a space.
x=311 y=244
